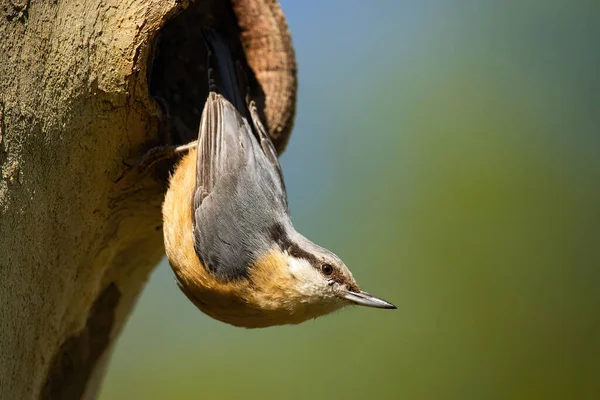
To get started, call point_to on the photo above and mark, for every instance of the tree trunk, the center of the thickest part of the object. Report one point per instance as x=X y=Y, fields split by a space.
x=86 y=87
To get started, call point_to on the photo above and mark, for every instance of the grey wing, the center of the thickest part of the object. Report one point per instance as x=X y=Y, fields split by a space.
x=239 y=193
x=266 y=144
x=227 y=77
x=215 y=128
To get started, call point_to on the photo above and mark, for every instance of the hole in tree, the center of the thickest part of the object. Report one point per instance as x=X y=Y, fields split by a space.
x=178 y=76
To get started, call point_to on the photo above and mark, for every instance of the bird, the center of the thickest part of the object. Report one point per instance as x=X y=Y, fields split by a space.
x=228 y=233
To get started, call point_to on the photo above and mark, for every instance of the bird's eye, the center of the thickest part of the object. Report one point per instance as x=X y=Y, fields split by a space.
x=327 y=269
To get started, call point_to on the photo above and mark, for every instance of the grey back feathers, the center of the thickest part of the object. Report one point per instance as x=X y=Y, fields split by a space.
x=239 y=192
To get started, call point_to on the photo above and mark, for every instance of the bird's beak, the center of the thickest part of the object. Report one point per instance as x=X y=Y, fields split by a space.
x=365 y=299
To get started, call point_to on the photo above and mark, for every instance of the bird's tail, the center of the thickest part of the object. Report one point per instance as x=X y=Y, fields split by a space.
x=225 y=75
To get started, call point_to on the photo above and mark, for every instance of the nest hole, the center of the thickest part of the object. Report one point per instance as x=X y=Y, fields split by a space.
x=178 y=76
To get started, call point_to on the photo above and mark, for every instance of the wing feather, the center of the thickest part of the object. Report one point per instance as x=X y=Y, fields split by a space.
x=239 y=194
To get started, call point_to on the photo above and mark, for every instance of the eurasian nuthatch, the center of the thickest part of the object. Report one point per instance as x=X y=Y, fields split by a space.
x=227 y=229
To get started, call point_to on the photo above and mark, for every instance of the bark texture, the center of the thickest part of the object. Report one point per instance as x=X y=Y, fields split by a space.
x=86 y=87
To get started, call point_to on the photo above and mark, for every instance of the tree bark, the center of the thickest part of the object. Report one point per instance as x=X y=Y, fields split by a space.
x=86 y=87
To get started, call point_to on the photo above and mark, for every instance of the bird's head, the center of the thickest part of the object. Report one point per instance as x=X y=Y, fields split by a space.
x=299 y=280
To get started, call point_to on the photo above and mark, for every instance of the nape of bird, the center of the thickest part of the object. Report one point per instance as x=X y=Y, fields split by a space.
x=228 y=234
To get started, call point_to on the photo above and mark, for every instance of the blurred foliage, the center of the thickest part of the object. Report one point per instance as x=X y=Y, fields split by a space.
x=448 y=152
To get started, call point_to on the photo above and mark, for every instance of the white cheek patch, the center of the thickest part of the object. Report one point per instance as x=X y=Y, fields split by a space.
x=298 y=267
x=309 y=280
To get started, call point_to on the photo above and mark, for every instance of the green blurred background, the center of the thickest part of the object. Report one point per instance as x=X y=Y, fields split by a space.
x=448 y=151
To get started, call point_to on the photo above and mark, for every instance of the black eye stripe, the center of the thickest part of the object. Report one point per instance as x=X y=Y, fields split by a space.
x=295 y=251
x=279 y=236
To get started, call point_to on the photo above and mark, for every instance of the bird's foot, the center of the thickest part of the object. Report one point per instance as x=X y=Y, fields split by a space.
x=160 y=153
x=155 y=155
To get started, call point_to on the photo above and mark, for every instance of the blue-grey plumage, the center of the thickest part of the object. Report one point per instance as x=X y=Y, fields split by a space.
x=239 y=195
x=233 y=165
x=228 y=234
